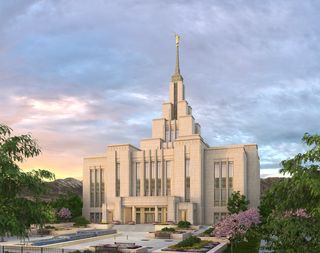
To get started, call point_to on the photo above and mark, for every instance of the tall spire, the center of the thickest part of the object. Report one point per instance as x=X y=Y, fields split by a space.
x=177 y=76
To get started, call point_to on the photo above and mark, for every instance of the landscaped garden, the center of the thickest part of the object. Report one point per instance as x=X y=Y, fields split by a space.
x=194 y=244
x=288 y=218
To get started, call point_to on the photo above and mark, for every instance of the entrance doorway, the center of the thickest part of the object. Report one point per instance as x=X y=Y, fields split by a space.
x=149 y=215
x=182 y=215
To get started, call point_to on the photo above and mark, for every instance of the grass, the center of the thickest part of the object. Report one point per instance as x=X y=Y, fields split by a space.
x=245 y=247
x=198 y=245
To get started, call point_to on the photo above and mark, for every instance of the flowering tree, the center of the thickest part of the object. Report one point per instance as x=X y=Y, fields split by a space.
x=64 y=214
x=235 y=226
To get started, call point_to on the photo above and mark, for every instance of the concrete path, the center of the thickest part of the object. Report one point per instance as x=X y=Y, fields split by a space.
x=134 y=228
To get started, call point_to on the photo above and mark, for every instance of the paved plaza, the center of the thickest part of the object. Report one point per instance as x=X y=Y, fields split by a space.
x=140 y=238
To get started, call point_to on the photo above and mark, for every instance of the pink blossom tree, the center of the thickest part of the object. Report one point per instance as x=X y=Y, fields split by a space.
x=64 y=214
x=235 y=227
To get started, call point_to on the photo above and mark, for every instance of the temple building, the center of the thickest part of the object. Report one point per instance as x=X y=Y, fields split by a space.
x=174 y=175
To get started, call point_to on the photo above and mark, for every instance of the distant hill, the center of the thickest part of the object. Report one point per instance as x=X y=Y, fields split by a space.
x=266 y=183
x=62 y=187
x=59 y=188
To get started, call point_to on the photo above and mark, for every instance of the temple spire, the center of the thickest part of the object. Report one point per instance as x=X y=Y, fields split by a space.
x=177 y=76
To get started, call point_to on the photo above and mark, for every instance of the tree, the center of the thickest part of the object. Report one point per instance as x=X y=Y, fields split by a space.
x=64 y=214
x=18 y=213
x=237 y=203
x=295 y=233
x=236 y=227
x=71 y=201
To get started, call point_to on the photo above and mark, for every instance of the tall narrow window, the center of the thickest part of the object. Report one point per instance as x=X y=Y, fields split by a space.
x=187 y=180
x=102 y=186
x=159 y=176
x=146 y=179
x=153 y=179
x=173 y=133
x=137 y=179
x=216 y=183
x=230 y=178
x=168 y=178
x=97 y=188
x=223 y=183
x=92 y=186
x=167 y=132
x=117 y=179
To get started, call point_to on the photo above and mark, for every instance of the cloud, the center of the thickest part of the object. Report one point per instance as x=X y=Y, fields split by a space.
x=81 y=75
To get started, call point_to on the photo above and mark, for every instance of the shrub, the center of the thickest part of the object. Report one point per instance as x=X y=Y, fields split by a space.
x=166 y=229
x=80 y=221
x=64 y=214
x=189 y=242
x=49 y=227
x=184 y=224
x=208 y=232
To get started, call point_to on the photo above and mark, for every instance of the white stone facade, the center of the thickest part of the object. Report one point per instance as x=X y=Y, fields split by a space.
x=173 y=176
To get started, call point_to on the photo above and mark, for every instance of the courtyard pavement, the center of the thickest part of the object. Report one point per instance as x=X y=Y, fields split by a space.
x=139 y=238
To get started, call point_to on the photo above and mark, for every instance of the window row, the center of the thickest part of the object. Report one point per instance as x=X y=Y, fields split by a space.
x=223 y=182
x=97 y=187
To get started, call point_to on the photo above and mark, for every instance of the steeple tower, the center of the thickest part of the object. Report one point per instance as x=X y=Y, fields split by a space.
x=177 y=76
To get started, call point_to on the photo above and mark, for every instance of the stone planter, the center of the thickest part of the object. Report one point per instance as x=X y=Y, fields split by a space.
x=215 y=239
x=218 y=249
x=169 y=235
x=142 y=249
x=159 y=227
x=182 y=236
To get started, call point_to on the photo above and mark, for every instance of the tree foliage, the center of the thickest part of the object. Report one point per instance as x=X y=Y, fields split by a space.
x=18 y=213
x=237 y=203
x=299 y=192
x=71 y=201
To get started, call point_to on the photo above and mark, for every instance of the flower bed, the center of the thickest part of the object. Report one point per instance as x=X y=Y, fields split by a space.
x=194 y=244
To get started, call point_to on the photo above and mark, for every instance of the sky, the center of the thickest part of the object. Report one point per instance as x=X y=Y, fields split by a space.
x=79 y=75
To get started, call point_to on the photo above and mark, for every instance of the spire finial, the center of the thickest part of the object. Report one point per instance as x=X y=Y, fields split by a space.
x=177 y=76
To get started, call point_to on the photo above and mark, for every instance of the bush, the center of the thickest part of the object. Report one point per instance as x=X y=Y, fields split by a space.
x=184 y=224
x=189 y=242
x=166 y=229
x=80 y=221
x=208 y=232
x=49 y=227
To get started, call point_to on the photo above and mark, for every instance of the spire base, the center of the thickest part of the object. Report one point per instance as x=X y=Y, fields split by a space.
x=176 y=78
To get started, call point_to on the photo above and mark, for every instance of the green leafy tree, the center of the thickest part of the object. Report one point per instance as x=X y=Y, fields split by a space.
x=18 y=213
x=71 y=201
x=237 y=203
x=299 y=192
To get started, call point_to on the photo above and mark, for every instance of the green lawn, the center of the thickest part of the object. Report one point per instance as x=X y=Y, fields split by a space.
x=245 y=247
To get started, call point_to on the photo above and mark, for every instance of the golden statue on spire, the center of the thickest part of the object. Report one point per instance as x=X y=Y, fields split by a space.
x=177 y=39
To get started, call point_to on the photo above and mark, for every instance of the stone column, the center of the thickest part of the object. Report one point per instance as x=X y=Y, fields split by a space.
x=156 y=214
x=104 y=213
x=134 y=213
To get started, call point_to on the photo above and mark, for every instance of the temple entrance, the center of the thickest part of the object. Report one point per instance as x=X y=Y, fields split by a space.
x=149 y=215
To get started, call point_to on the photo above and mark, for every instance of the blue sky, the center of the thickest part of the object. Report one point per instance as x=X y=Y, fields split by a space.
x=80 y=75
